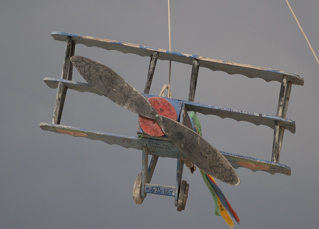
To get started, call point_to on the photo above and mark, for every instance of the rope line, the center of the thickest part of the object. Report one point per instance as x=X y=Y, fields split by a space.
x=169 y=25
x=168 y=86
x=313 y=52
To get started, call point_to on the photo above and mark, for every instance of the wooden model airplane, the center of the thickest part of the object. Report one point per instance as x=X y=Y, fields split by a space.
x=165 y=127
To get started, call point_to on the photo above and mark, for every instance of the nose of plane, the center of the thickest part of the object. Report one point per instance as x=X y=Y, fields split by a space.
x=164 y=108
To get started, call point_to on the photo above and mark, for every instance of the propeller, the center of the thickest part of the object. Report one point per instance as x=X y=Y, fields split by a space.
x=193 y=146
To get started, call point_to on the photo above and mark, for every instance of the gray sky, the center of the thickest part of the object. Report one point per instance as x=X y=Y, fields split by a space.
x=57 y=181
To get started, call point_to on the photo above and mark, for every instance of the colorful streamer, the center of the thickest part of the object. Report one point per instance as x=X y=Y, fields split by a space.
x=222 y=206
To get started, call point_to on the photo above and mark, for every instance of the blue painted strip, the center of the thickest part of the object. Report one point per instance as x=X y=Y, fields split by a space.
x=148 y=47
x=182 y=54
x=66 y=34
x=160 y=189
x=117 y=42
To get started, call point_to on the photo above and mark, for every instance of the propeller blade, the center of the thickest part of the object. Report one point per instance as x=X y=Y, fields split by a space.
x=199 y=151
x=194 y=147
x=113 y=86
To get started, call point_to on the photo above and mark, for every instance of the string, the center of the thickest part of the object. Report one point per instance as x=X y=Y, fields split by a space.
x=168 y=86
x=313 y=52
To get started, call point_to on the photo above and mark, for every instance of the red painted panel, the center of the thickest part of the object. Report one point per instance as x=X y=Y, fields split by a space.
x=163 y=107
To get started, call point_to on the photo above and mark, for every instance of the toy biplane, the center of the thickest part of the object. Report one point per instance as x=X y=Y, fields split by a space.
x=165 y=128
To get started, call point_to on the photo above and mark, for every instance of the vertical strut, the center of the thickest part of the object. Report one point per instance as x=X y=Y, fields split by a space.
x=66 y=74
x=150 y=73
x=151 y=168
x=282 y=109
x=193 y=83
x=179 y=173
x=144 y=170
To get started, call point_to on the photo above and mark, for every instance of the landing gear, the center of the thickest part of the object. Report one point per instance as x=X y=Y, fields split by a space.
x=142 y=184
x=182 y=197
x=137 y=189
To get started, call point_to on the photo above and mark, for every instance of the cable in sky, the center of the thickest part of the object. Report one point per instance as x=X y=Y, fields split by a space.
x=313 y=52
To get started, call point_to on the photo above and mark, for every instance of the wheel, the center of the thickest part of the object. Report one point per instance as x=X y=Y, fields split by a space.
x=182 y=198
x=137 y=190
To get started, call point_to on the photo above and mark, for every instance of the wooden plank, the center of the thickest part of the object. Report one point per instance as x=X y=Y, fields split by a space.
x=117 y=139
x=239 y=115
x=255 y=164
x=163 y=148
x=77 y=86
x=67 y=75
x=158 y=147
x=216 y=65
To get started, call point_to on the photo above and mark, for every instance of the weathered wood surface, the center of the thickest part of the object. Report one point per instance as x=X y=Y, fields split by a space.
x=157 y=147
x=239 y=115
x=255 y=164
x=67 y=75
x=74 y=85
x=137 y=189
x=216 y=65
x=179 y=175
x=193 y=82
x=145 y=174
x=115 y=88
x=199 y=151
x=164 y=148
x=182 y=197
x=150 y=73
x=163 y=107
x=282 y=109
